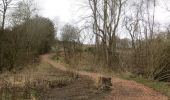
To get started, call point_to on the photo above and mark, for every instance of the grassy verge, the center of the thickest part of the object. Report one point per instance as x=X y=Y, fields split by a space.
x=161 y=87
x=33 y=81
x=83 y=66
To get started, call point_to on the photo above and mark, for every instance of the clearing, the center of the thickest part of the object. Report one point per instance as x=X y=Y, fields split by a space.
x=50 y=80
x=121 y=89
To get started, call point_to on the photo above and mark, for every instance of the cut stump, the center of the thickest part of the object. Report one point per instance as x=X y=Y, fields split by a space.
x=104 y=83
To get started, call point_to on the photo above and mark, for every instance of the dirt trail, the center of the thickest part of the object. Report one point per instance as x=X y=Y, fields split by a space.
x=121 y=89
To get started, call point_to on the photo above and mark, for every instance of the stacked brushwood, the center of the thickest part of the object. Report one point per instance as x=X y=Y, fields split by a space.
x=162 y=71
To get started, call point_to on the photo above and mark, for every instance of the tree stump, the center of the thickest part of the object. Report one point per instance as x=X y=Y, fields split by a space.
x=104 y=83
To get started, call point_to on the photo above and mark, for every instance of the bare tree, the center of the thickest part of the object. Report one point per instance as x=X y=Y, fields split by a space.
x=5 y=4
x=71 y=39
x=132 y=26
x=106 y=15
x=24 y=11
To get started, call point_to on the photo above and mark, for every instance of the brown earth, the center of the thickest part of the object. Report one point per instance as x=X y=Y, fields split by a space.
x=81 y=89
x=48 y=83
x=121 y=89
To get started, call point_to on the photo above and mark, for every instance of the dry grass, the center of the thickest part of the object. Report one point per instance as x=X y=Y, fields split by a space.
x=84 y=63
x=33 y=80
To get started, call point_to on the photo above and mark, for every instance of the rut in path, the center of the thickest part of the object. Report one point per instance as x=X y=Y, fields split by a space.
x=121 y=89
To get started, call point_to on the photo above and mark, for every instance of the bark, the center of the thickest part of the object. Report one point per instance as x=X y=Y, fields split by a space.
x=106 y=22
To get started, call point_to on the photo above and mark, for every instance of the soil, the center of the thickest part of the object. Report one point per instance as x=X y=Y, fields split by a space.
x=81 y=89
x=64 y=85
x=121 y=89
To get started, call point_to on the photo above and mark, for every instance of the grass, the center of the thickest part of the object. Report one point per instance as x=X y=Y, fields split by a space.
x=161 y=87
x=34 y=80
x=85 y=64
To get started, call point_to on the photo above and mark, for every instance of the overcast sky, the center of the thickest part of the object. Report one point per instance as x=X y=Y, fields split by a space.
x=63 y=10
x=66 y=10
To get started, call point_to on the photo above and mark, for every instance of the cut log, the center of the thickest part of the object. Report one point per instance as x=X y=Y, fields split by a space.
x=104 y=83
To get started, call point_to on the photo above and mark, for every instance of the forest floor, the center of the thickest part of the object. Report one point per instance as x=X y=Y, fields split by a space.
x=69 y=84
x=64 y=84
x=121 y=89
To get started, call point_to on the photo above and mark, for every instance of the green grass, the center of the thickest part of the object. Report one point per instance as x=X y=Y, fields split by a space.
x=161 y=87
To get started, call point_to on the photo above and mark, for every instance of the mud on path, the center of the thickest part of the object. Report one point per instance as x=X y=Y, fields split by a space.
x=81 y=89
x=121 y=89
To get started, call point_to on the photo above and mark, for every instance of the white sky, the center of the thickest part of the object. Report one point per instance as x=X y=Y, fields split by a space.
x=66 y=11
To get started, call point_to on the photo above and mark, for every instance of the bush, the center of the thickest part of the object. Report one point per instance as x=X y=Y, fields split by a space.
x=90 y=50
x=24 y=43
